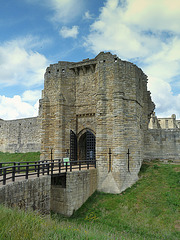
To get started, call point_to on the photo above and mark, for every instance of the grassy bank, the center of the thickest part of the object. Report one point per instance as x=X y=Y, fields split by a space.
x=19 y=157
x=148 y=210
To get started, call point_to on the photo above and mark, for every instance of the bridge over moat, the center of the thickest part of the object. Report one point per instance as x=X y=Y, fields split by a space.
x=48 y=185
x=11 y=171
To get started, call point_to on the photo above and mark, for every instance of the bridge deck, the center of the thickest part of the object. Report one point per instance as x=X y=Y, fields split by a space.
x=30 y=170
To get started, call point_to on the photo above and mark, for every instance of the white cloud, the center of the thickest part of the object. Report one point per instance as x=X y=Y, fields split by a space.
x=19 y=64
x=166 y=103
x=15 y=108
x=110 y=32
x=148 y=33
x=87 y=16
x=66 y=32
x=154 y=15
x=63 y=10
x=31 y=96
x=134 y=29
x=165 y=63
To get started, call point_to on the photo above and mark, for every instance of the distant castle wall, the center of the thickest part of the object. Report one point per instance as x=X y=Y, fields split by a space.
x=163 y=123
x=162 y=140
x=162 y=144
x=21 y=135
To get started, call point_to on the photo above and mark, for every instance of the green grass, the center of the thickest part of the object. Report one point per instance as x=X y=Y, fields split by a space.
x=19 y=157
x=148 y=210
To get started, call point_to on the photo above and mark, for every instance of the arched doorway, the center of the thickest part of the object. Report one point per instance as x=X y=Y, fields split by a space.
x=87 y=146
x=82 y=147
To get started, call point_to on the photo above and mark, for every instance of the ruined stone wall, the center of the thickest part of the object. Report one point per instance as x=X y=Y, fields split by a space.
x=167 y=123
x=154 y=122
x=21 y=135
x=31 y=194
x=162 y=144
x=164 y=123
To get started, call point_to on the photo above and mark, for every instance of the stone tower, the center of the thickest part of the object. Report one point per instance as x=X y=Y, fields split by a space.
x=97 y=109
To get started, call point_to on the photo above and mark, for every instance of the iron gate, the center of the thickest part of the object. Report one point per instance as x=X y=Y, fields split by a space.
x=73 y=146
x=90 y=146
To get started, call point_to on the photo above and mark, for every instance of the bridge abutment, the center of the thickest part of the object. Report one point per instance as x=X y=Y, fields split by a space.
x=69 y=192
x=62 y=194
x=32 y=194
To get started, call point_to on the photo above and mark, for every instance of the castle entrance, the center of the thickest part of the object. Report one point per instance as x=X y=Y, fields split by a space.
x=87 y=146
x=84 y=148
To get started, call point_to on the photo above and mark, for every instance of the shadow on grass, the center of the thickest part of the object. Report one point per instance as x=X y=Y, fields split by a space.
x=144 y=167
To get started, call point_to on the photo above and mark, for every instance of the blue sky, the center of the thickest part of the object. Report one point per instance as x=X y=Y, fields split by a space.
x=36 y=33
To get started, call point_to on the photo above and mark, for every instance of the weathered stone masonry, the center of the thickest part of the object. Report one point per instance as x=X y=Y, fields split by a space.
x=162 y=144
x=21 y=135
x=32 y=194
x=109 y=98
x=73 y=192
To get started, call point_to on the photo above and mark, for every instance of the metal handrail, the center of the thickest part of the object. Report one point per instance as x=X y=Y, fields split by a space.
x=48 y=167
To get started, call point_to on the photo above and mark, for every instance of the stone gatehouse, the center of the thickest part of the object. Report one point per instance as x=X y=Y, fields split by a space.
x=97 y=109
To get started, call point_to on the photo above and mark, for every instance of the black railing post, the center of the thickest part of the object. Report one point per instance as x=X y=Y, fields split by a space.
x=15 y=166
x=38 y=171
x=27 y=170
x=87 y=164
x=47 y=168
x=0 y=168
x=70 y=166
x=4 y=176
x=79 y=165
x=35 y=166
x=66 y=166
x=59 y=164
x=52 y=165
x=43 y=167
x=13 y=172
